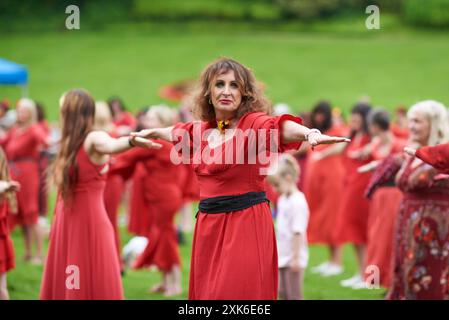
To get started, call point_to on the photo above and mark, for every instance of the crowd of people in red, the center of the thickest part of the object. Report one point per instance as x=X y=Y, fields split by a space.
x=391 y=205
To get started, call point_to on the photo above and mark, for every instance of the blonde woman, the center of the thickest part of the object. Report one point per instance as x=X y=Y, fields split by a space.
x=22 y=145
x=421 y=261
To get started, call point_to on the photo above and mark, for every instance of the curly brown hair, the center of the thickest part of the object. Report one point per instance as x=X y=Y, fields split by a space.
x=253 y=97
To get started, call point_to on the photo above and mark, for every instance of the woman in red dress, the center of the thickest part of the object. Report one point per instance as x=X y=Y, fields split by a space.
x=163 y=198
x=7 y=204
x=352 y=219
x=234 y=252
x=323 y=215
x=421 y=260
x=22 y=145
x=82 y=261
x=384 y=201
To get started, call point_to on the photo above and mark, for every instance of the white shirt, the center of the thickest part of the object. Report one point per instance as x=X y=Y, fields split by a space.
x=293 y=217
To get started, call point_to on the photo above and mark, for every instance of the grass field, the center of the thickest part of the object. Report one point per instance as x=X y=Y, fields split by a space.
x=337 y=62
x=298 y=68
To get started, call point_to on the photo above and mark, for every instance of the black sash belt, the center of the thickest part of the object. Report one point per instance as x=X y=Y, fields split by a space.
x=232 y=203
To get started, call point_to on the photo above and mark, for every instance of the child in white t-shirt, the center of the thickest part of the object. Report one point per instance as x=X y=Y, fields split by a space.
x=291 y=227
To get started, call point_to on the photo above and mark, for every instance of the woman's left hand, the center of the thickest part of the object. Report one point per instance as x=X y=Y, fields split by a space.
x=316 y=138
x=145 y=143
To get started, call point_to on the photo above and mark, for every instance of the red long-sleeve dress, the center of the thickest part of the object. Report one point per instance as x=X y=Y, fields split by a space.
x=234 y=255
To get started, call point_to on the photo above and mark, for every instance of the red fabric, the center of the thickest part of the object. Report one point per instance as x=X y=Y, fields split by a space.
x=82 y=236
x=401 y=133
x=323 y=188
x=112 y=196
x=7 y=261
x=352 y=219
x=125 y=119
x=436 y=156
x=163 y=198
x=381 y=225
x=234 y=255
x=139 y=217
x=189 y=183
x=22 y=149
x=421 y=259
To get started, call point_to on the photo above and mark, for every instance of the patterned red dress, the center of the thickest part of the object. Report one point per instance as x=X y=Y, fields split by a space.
x=234 y=254
x=352 y=219
x=421 y=261
x=82 y=261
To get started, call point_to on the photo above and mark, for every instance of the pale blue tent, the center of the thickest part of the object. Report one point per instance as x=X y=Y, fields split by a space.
x=14 y=74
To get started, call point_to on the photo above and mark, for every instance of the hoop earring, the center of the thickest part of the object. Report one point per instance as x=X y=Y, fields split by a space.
x=210 y=102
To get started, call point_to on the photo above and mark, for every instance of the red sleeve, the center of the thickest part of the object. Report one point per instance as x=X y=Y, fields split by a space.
x=436 y=156
x=259 y=120
x=125 y=163
x=384 y=173
x=183 y=139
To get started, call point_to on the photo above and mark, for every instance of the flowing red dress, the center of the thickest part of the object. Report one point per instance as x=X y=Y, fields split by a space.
x=6 y=246
x=234 y=254
x=421 y=259
x=352 y=219
x=139 y=216
x=324 y=177
x=82 y=242
x=163 y=197
x=22 y=149
x=381 y=223
x=436 y=156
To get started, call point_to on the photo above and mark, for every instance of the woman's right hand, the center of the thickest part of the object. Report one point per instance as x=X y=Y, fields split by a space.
x=155 y=133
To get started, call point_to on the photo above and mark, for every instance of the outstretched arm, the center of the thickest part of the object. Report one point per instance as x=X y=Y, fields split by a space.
x=102 y=143
x=156 y=133
x=294 y=132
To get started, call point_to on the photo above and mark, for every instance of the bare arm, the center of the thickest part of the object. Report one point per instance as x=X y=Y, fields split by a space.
x=294 y=132
x=156 y=133
x=104 y=144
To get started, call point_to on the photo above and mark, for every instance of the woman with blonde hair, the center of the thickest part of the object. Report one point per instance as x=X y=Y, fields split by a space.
x=421 y=256
x=82 y=260
x=234 y=253
x=22 y=145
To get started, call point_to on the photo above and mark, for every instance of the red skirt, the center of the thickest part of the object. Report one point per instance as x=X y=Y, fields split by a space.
x=6 y=246
x=112 y=197
x=381 y=225
x=323 y=209
x=162 y=249
x=27 y=174
x=140 y=218
x=227 y=248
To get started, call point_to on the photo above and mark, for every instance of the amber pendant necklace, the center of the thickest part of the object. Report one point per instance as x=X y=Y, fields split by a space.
x=222 y=125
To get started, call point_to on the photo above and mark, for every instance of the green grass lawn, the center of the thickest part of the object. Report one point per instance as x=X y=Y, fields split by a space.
x=24 y=280
x=298 y=68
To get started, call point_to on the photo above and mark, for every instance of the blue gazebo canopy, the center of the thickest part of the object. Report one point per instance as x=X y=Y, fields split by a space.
x=12 y=73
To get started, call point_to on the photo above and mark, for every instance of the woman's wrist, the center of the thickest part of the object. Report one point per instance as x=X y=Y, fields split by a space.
x=310 y=133
x=131 y=141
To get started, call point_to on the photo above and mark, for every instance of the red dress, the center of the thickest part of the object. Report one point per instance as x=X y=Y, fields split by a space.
x=436 y=156
x=234 y=255
x=82 y=239
x=22 y=149
x=320 y=181
x=125 y=119
x=381 y=223
x=139 y=216
x=162 y=196
x=6 y=245
x=421 y=253
x=352 y=219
